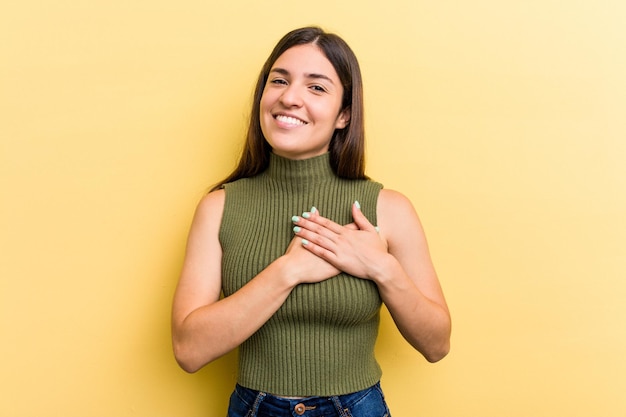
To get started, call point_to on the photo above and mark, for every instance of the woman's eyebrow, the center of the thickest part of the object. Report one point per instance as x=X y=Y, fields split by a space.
x=320 y=76
x=285 y=73
x=281 y=71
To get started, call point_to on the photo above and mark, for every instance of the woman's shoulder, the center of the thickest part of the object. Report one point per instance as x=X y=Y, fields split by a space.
x=393 y=199
x=211 y=204
x=396 y=211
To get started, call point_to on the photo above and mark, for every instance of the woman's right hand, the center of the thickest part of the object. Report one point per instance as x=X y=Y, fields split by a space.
x=307 y=267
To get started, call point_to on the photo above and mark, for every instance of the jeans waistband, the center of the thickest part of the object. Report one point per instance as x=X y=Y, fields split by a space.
x=263 y=403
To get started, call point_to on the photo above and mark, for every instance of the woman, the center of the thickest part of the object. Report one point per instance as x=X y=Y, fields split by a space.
x=302 y=293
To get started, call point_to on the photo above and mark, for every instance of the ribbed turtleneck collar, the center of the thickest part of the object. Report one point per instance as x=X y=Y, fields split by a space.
x=302 y=171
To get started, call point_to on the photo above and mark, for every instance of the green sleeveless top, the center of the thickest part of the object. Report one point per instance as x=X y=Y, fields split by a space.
x=321 y=341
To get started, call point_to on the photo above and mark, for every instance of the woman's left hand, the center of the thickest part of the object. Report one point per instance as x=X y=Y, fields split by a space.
x=356 y=248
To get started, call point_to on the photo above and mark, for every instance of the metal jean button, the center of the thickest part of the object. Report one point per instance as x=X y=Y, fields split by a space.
x=299 y=409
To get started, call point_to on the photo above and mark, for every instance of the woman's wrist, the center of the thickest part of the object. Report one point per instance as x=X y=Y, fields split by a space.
x=286 y=276
x=385 y=269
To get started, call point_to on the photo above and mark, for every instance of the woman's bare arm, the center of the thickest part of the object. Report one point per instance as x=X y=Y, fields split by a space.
x=408 y=282
x=395 y=256
x=205 y=327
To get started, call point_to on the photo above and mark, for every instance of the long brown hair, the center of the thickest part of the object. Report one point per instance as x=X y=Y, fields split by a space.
x=347 y=147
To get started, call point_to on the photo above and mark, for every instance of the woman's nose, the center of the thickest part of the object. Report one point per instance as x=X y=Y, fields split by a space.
x=291 y=97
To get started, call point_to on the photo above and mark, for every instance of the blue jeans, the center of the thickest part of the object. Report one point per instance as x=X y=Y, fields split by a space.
x=369 y=402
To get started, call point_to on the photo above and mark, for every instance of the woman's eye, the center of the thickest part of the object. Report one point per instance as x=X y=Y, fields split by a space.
x=318 y=88
x=278 y=81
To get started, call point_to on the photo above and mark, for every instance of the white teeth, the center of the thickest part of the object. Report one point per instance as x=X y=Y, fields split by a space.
x=290 y=120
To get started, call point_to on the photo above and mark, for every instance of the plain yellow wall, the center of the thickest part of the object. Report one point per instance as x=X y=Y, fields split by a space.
x=504 y=122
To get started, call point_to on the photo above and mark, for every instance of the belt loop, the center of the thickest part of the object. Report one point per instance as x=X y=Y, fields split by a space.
x=343 y=412
x=257 y=403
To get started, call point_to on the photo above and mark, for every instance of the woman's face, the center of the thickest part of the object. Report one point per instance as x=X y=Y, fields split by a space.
x=301 y=103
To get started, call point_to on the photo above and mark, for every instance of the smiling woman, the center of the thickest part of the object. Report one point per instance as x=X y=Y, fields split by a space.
x=303 y=292
x=301 y=104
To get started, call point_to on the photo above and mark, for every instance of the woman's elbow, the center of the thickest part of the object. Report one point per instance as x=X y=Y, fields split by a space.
x=435 y=355
x=436 y=348
x=439 y=345
x=190 y=358
x=188 y=367
x=185 y=358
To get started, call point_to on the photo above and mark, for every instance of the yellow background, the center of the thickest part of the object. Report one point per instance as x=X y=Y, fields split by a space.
x=504 y=122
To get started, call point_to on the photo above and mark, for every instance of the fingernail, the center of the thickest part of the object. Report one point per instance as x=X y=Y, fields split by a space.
x=357 y=204
x=295 y=219
x=377 y=229
x=305 y=242
x=313 y=209
x=306 y=214
x=296 y=229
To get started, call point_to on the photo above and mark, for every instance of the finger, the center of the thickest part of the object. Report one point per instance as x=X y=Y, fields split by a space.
x=315 y=222
x=359 y=218
x=311 y=232
x=318 y=250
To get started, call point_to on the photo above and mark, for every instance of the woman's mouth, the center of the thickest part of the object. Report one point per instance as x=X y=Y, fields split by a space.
x=289 y=120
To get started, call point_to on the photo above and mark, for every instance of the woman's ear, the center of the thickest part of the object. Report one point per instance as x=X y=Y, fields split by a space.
x=343 y=119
